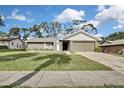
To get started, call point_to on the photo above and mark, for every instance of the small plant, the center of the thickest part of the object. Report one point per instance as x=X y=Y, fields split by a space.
x=98 y=49
x=120 y=52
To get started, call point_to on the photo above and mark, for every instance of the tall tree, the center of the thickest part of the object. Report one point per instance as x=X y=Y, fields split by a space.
x=55 y=28
x=90 y=28
x=25 y=33
x=78 y=25
x=45 y=27
x=3 y=34
x=36 y=29
x=1 y=20
x=114 y=36
x=15 y=31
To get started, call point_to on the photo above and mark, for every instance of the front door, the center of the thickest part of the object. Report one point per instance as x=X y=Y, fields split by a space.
x=65 y=45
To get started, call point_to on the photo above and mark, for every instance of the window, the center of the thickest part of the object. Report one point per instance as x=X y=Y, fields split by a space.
x=3 y=42
x=17 y=45
x=49 y=45
x=12 y=43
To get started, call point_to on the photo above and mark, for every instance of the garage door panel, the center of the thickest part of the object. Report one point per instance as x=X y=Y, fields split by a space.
x=83 y=46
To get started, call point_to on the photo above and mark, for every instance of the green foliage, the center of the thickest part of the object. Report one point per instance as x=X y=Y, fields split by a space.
x=98 y=49
x=3 y=34
x=25 y=33
x=15 y=31
x=4 y=47
x=1 y=21
x=78 y=25
x=115 y=36
x=52 y=29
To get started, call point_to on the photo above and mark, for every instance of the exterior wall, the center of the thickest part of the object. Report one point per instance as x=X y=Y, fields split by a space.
x=16 y=44
x=4 y=43
x=55 y=45
x=40 y=45
x=110 y=49
x=82 y=46
x=37 y=45
x=97 y=44
x=80 y=37
x=60 y=45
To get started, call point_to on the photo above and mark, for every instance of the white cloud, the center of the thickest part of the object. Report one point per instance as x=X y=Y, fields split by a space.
x=100 y=8
x=114 y=13
x=70 y=14
x=118 y=27
x=94 y=22
x=30 y=20
x=98 y=35
x=20 y=17
x=16 y=16
x=29 y=13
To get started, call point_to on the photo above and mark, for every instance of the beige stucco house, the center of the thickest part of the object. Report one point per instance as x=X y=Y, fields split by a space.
x=12 y=42
x=79 y=41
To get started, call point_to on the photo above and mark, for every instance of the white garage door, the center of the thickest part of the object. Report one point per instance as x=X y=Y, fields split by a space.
x=83 y=46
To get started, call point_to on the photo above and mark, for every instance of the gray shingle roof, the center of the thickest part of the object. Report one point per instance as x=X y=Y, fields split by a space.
x=85 y=33
x=41 y=40
x=116 y=42
x=7 y=38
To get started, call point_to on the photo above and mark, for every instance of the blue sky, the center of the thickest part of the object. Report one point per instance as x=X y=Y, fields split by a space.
x=106 y=20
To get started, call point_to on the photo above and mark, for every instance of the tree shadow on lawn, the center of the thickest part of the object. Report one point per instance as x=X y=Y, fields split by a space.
x=12 y=57
x=53 y=58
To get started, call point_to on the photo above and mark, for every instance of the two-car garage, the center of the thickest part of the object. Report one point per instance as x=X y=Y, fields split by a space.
x=80 y=42
x=78 y=46
x=81 y=46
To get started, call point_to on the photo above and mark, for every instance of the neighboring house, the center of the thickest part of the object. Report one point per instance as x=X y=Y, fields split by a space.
x=79 y=41
x=12 y=43
x=113 y=46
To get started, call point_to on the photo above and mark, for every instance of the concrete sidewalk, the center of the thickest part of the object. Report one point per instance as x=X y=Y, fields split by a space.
x=60 y=78
x=115 y=62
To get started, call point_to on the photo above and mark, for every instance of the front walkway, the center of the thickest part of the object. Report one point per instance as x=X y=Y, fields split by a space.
x=60 y=79
x=115 y=62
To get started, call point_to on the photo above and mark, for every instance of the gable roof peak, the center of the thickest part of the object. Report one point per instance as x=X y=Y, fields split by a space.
x=82 y=32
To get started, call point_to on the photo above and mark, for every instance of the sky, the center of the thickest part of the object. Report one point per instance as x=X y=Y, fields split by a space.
x=107 y=19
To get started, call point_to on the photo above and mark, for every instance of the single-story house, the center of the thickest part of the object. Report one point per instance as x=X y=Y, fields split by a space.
x=41 y=43
x=78 y=41
x=113 y=46
x=12 y=43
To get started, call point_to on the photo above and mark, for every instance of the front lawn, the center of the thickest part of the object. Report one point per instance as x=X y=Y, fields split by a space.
x=47 y=61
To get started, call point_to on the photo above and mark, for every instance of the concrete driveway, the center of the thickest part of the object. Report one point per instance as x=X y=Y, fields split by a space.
x=115 y=62
x=60 y=78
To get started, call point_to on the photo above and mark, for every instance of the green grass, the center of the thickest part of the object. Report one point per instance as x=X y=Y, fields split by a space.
x=47 y=61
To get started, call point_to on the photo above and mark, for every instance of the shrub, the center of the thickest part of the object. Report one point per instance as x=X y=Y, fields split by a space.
x=4 y=47
x=98 y=49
